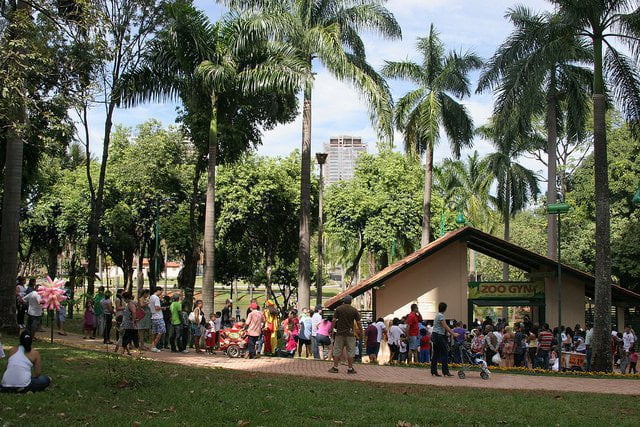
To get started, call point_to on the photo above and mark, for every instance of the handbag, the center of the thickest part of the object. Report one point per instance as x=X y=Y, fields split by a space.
x=496 y=359
x=139 y=313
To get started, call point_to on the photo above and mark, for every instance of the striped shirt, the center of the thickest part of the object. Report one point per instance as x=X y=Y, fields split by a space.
x=544 y=340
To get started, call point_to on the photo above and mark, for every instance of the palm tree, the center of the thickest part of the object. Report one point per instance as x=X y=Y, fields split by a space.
x=515 y=184
x=191 y=58
x=441 y=80
x=537 y=71
x=327 y=31
x=609 y=26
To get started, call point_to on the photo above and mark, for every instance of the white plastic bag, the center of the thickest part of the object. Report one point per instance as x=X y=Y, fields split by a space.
x=1 y=351
x=496 y=359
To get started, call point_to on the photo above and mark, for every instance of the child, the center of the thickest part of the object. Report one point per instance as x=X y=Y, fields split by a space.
x=238 y=314
x=291 y=344
x=209 y=338
x=402 y=349
x=425 y=347
x=213 y=323
x=89 y=320
x=633 y=359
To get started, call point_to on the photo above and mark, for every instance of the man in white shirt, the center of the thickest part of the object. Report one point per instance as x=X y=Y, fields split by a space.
x=315 y=322
x=158 y=327
x=628 y=338
x=588 y=339
x=381 y=328
x=34 y=310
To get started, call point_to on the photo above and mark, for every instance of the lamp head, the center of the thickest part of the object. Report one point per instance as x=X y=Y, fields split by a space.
x=321 y=158
x=460 y=219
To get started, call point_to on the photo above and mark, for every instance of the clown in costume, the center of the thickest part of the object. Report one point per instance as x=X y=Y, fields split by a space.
x=270 y=328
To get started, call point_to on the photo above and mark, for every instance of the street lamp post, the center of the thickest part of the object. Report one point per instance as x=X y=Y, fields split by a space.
x=559 y=209
x=321 y=159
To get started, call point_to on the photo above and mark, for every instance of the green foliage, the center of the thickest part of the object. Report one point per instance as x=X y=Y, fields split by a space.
x=382 y=203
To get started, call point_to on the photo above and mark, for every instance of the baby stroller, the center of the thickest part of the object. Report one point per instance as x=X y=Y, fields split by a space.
x=470 y=359
x=233 y=342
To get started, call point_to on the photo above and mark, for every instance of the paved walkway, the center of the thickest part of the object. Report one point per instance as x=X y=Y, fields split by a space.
x=381 y=374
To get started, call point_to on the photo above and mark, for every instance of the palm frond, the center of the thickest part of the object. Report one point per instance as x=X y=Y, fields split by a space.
x=457 y=124
x=404 y=70
x=625 y=84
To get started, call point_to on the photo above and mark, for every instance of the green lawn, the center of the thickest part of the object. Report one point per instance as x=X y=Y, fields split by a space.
x=99 y=389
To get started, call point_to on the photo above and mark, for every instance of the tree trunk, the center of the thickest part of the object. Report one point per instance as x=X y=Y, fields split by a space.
x=426 y=204
x=208 y=278
x=96 y=206
x=552 y=174
x=304 y=249
x=507 y=221
x=602 y=319
x=10 y=235
x=52 y=261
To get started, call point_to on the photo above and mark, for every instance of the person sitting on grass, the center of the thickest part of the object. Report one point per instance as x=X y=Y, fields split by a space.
x=24 y=370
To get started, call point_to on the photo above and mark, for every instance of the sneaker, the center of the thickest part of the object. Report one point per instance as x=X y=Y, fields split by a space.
x=333 y=370
x=154 y=350
x=185 y=351
x=351 y=371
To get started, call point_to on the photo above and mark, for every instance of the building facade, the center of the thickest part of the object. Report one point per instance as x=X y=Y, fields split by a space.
x=341 y=162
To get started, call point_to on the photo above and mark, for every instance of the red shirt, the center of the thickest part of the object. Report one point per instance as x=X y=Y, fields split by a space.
x=425 y=343
x=544 y=340
x=412 y=322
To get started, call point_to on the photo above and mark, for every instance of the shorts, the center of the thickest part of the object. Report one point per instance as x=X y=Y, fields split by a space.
x=302 y=341
x=158 y=326
x=373 y=349
x=341 y=342
x=414 y=342
x=62 y=314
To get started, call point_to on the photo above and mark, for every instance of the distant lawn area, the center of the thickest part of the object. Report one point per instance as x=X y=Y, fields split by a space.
x=98 y=389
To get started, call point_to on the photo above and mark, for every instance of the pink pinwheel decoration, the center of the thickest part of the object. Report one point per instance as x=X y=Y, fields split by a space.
x=52 y=294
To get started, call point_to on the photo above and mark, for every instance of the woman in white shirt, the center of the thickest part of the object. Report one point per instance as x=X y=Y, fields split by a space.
x=394 y=339
x=24 y=369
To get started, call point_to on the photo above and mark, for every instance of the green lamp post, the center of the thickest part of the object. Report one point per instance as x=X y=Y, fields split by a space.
x=559 y=209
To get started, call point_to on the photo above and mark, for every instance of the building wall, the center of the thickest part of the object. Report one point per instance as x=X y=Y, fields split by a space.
x=441 y=277
x=573 y=297
x=343 y=152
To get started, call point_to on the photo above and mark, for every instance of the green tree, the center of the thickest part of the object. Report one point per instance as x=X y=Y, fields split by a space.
x=556 y=86
x=609 y=26
x=378 y=210
x=441 y=79
x=194 y=60
x=328 y=32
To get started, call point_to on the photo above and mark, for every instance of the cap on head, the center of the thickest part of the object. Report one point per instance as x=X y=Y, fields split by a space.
x=347 y=299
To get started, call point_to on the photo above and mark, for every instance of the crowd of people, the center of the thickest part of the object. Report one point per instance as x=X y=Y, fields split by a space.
x=154 y=322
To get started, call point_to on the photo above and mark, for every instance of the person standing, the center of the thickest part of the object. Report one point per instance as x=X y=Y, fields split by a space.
x=492 y=344
x=143 y=317
x=119 y=309
x=304 y=334
x=98 y=324
x=413 y=329
x=198 y=325
x=347 y=324
x=439 y=340
x=176 y=323
x=394 y=339
x=254 y=325
x=34 y=311
x=270 y=328
x=21 y=305
x=372 y=344
x=545 y=338
x=588 y=339
x=315 y=322
x=227 y=313
x=166 y=316
x=158 y=328
x=129 y=324
x=107 y=314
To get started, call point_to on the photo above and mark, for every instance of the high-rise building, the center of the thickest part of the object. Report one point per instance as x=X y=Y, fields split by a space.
x=343 y=152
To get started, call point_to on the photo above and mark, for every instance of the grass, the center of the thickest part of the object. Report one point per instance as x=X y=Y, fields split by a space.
x=99 y=389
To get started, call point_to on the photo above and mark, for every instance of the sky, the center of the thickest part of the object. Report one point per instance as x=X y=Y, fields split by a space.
x=337 y=109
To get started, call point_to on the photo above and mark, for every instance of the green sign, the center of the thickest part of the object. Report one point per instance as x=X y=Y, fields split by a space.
x=506 y=290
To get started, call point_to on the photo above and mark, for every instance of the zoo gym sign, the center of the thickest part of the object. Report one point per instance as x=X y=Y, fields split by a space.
x=506 y=290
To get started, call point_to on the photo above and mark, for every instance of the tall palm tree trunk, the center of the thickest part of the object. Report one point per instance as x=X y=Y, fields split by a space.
x=208 y=279
x=304 y=248
x=552 y=192
x=426 y=203
x=10 y=237
x=602 y=321
x=507 y=224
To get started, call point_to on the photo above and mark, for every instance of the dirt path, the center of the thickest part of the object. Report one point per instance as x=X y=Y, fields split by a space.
x=381 y=374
